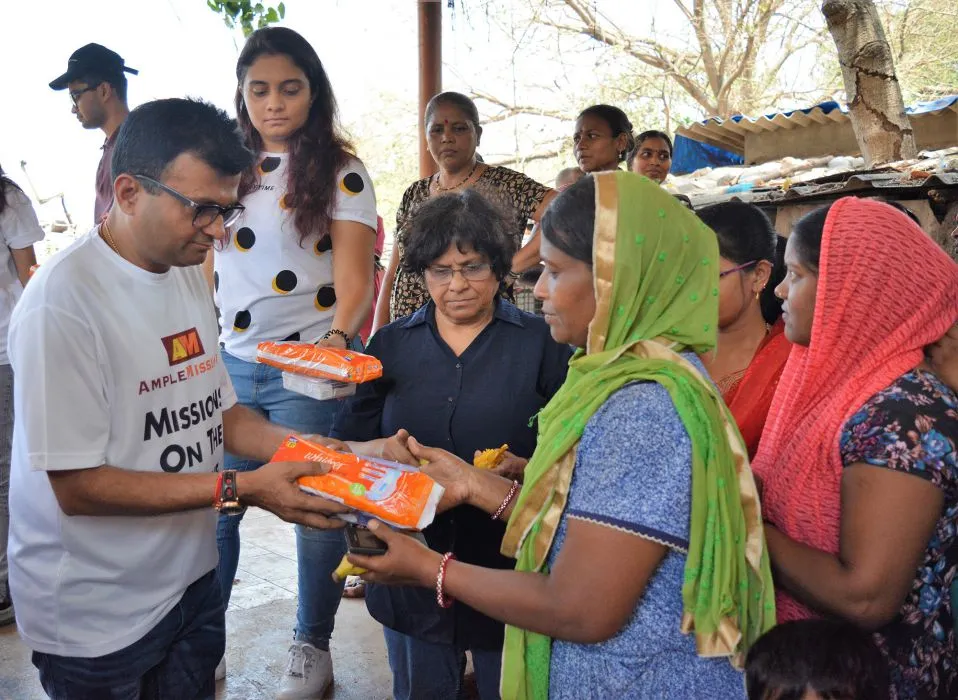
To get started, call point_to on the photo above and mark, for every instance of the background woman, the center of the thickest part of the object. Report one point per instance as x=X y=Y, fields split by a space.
x=602 y=139
x=298 y=266
x=638 y=517
x=752 y=348
x=19 y=231
x=858 y=456
x=467 y=372
x=652 y=155
x=453 y=133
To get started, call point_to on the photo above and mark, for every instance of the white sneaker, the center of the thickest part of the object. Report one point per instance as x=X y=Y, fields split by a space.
x=309 y=672
x=220 y=673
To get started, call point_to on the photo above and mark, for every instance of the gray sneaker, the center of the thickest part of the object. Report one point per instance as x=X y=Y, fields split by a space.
x=309 y=672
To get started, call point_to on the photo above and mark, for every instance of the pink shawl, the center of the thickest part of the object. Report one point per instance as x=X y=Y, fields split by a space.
x=885 y=290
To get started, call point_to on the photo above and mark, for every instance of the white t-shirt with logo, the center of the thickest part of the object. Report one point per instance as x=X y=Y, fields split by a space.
x=114 y=365
x=269 y=286
x=19 y=228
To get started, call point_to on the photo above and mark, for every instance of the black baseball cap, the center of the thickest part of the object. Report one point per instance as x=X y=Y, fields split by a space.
x=92 y=59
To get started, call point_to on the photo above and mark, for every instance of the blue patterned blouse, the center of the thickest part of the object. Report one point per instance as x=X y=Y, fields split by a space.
x=633 y=473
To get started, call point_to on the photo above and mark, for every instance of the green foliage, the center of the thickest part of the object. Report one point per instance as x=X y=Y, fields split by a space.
x=247 y=15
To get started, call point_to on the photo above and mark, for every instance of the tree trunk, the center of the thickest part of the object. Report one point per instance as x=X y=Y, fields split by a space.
x=875 y=104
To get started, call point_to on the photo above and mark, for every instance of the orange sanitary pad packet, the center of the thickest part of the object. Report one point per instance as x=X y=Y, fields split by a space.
x=311 y=360
x=398 y=495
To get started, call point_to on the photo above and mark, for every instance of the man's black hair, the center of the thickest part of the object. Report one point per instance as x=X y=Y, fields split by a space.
x=156 y=133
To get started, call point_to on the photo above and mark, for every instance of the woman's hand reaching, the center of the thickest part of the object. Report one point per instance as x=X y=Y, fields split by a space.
x=407 y=561
x=453 y=474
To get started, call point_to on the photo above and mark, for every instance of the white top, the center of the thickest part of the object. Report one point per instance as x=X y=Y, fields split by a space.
x=115 y=365
x=19 y=228
x=268 y=285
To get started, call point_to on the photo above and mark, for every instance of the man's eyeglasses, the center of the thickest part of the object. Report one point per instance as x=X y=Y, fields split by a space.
x=75 y=95
x=203 y=214
x=473 y=272
x=743 y=266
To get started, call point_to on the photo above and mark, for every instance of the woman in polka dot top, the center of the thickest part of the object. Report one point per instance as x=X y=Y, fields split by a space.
x=297 y=266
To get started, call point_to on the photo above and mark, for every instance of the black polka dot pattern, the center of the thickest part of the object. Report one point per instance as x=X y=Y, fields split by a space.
x=294 y=338
x=352 y=184
x=284 y=202
x=245 y=239
x=325 y=298
x=284 y=282
x=269 y=164
x=216 y=281
x=323 y=245
x=241 y=321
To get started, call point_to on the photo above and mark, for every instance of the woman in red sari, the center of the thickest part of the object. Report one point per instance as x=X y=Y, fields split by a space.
x=752 y=349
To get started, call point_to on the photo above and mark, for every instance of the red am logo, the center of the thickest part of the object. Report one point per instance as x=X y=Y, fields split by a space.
x=183 y=346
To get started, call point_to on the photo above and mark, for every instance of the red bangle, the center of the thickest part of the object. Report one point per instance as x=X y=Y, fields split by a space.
x=443 y=600
x=505 y=504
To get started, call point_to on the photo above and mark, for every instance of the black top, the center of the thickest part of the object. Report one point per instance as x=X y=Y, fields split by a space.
x=485 y=397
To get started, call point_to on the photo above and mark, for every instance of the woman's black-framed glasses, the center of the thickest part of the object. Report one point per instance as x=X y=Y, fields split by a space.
x=203 y=214
x=473 y=272
x=743 y=266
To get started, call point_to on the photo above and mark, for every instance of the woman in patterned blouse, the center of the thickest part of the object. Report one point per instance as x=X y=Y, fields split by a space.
x=453 y=133
x=858 y=457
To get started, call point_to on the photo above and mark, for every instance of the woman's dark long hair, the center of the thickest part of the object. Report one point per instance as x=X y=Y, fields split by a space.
x=5 y=184
x=569 y=221
x=318 y=151
x=745 y=234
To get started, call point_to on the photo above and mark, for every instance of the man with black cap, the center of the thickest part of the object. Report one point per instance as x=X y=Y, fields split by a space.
x=97 y=84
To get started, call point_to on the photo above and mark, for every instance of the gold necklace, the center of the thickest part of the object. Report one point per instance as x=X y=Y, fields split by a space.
x=107 y=236
x=440 y=188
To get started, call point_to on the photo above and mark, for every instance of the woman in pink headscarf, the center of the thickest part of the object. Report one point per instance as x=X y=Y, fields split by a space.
x=858 y=458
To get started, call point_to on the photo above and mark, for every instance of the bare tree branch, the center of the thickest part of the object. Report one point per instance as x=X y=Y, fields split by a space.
x=511 y=110
x=537 y=155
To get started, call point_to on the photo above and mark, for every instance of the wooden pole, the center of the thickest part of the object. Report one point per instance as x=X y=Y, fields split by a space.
x=430 y=72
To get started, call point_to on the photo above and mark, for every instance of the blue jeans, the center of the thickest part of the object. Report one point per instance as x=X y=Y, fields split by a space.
x=318 y=552
x=6 y=443
x=427 y=671
x=176 y=659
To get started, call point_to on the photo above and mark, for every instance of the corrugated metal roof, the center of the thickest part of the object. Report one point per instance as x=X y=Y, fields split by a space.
x=730 y=133
x=792 y=180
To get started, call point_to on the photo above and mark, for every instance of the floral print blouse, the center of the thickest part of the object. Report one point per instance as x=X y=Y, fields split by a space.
x=912 y=426
x=518 y=196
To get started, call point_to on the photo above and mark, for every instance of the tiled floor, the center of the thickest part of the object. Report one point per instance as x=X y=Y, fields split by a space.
x=259 y=627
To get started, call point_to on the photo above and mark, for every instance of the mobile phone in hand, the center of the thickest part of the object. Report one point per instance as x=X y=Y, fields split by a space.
x=360 y=540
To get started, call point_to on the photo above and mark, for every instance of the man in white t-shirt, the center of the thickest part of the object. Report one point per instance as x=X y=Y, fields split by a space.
x=123 y=411
x=19 y=230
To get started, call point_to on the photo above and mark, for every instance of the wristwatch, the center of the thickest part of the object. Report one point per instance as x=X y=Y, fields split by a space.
x=226 y=498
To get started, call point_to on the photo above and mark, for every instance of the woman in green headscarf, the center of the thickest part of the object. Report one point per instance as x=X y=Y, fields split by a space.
x=637 y=533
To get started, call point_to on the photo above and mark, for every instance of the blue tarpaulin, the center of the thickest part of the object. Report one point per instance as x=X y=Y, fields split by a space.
x=690 y=155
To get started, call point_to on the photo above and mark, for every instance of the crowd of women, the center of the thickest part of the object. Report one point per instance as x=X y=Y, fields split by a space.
x=626 y=548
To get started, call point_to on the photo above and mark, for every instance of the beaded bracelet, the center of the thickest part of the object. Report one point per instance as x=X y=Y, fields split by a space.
x=508 y=499
x=442 y=600
x=335 y=331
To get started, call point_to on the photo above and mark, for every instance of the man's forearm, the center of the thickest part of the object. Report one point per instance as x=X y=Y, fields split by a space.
x=248 y=434
x=107 y=490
